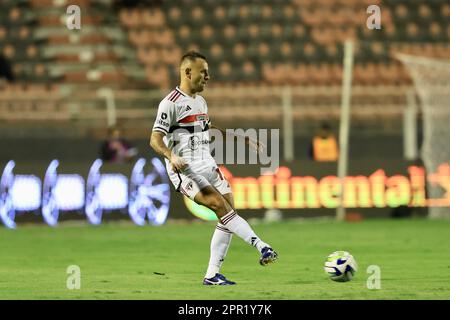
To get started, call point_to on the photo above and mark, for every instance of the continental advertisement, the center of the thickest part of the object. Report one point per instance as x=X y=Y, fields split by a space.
x=142 y=193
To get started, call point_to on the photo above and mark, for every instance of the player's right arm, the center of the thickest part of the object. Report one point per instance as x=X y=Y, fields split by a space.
x=164 y=120
x=157 y=143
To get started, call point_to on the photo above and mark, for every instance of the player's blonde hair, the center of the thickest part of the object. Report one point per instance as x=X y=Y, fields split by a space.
x=191 y=56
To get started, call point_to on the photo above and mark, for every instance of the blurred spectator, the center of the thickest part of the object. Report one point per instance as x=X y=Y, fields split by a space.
x=116 y=149
x=5 y=70
x=324 y=146
x=14 y=16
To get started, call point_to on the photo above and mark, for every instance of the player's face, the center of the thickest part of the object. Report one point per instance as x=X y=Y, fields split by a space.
x=199 y=75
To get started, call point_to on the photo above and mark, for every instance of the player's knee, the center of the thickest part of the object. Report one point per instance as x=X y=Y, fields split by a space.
x=215 y=203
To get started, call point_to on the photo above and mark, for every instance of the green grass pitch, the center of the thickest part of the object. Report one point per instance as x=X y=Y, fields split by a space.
x=123 y=261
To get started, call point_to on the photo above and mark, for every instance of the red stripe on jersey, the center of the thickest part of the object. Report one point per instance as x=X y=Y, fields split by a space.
x=175 y=97
x=180 y=92
x=172 y=94
x=194 y=117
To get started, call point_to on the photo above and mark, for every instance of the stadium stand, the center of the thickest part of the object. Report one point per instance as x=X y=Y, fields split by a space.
x=135 y=47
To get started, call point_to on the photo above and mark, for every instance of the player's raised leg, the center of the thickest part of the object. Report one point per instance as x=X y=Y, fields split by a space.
x=212 y=199
x=267 y=254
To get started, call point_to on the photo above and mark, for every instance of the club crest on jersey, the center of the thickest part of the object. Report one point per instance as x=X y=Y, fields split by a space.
x=204 y=119
x=189 y=186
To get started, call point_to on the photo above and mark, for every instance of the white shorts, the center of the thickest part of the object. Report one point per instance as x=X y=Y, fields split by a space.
x=197 y=176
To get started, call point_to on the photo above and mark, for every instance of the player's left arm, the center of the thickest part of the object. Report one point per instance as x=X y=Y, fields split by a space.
x=257 y=145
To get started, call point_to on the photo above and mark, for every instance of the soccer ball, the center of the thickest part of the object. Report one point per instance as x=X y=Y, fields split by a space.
x=341 y=266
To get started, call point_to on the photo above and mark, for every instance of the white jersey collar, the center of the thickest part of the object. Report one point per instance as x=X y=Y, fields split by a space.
x=178 y=88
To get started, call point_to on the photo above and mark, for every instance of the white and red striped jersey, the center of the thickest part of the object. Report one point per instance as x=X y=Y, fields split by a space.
x=185 y=122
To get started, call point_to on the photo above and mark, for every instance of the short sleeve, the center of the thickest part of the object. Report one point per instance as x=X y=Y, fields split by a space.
x=165 y=117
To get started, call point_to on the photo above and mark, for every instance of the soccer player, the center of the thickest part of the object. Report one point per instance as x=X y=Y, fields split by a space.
x=180 y=134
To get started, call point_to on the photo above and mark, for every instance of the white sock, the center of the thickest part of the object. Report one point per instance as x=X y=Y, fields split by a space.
x=220 y=243
x=242 y=229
